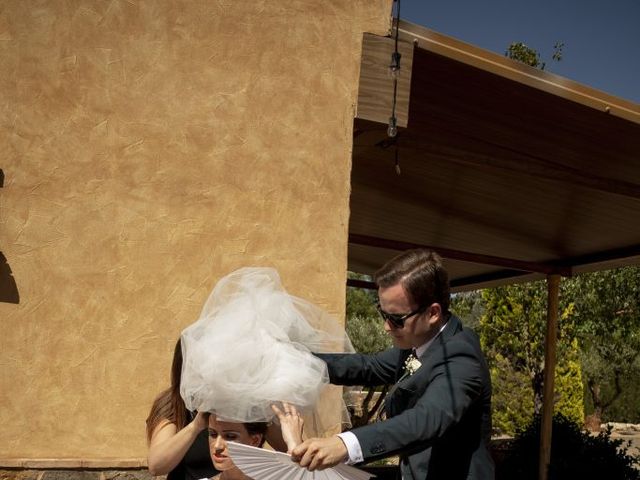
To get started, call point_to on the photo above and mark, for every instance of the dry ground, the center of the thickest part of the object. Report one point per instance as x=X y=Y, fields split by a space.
x=627 y=431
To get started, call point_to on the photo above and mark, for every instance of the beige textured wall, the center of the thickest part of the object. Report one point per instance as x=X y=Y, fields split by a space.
x=150 y=147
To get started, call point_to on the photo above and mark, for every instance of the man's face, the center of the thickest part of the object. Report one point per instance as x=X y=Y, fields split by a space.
x=418 y=328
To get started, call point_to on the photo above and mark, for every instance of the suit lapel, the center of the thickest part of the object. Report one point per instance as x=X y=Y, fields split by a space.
x=400 y=366
x=389 y=403
x=398 y=397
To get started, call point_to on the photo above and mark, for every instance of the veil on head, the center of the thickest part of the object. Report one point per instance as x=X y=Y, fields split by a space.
x=251 y=347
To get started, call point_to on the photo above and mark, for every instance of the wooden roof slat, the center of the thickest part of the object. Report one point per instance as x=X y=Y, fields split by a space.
x=460 y=255
x=500 y=163
x=516 y=71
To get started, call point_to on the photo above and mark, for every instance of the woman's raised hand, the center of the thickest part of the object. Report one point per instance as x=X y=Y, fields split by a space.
x=291 y=424
x=201 y=421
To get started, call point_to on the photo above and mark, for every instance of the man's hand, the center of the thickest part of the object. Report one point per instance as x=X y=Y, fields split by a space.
x=320 y=453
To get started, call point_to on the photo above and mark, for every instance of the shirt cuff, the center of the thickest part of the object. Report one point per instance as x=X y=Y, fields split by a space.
x=353 y=447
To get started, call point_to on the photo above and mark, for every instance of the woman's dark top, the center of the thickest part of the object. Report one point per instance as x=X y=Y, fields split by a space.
x=196 y=463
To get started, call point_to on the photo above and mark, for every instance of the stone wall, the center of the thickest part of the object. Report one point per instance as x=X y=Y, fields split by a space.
x=77 y=475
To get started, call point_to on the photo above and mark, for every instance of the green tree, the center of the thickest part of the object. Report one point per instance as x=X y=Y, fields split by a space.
x=530 y=56
x=512 y=332
x=469 y=307
x=366 y=330
x=608 y=328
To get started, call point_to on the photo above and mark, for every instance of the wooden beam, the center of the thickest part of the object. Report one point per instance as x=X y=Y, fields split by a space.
x=454 y=283
x=487 y=277
x=547 y=269
x=519 y=72
x=356 y=283
x=375 y=91
x=553 y=293
x=615 y=254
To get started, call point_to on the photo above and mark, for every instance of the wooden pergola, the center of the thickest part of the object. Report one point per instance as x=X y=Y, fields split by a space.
x=510 y=173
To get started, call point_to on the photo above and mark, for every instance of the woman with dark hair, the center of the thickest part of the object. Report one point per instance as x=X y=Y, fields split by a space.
x=248 y=433
x=250 y=346
x=177 y=439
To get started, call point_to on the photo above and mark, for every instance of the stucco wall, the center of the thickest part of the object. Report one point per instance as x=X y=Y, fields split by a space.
x=148 y=148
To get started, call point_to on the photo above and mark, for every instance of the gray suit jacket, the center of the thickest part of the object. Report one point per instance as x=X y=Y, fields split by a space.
x=439 y=418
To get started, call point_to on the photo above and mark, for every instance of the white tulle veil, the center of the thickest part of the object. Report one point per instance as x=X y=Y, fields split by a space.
x=252 y=347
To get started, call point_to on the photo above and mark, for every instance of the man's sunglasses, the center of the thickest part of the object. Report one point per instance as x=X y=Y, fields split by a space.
x=398 y=319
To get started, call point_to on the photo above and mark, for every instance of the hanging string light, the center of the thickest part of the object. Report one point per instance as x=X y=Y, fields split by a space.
x=394 y=73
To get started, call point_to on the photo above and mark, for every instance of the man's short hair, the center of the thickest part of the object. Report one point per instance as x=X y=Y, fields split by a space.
x=421 y=274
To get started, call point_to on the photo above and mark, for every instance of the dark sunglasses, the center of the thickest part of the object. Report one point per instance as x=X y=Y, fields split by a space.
x=398 y=319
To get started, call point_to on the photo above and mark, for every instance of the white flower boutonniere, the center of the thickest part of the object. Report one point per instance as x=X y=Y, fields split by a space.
x=411 y=364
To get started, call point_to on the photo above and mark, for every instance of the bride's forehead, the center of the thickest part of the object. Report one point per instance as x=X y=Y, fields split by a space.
x=222 y=425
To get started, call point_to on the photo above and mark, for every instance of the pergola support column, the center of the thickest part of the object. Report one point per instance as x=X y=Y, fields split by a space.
x=553 y=294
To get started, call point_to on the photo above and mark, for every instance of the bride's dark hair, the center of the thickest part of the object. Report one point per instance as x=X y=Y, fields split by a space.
x=257 y=428
x=169 y=405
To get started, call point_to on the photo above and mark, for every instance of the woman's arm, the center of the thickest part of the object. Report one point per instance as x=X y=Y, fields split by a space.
x=291 y=425
x=168 y=446
x=274 y=437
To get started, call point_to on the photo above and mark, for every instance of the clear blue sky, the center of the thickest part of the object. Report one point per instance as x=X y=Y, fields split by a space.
x=601 y=37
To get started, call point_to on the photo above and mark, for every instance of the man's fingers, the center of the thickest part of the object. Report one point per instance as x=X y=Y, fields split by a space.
x=304 y=453
x=313 y=457
x=299 y=451
x=309 y=455
x=316 y=464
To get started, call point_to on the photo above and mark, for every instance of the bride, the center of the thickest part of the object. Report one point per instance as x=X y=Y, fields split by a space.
x=250 y=347
x=250 y=433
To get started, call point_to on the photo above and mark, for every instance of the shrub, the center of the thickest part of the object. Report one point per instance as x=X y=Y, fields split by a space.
x=574 y=454
x=569 y=392
x=512 y=400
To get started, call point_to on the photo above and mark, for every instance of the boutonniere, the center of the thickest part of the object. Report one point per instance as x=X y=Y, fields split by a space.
x=411 y=364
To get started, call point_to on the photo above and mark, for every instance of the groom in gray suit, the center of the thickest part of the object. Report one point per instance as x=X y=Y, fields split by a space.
x=438 y=412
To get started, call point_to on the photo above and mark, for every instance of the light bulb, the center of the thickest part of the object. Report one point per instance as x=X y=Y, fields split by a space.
x=394 y=66
x=392 y=130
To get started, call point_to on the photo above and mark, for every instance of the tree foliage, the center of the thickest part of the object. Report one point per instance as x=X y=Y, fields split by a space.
x=364 y=326
x=512 y=331
x=530 y=56
x=607 y=310
x=598 y=344
x=574 y=454
x=367 y=334
x=469 y=307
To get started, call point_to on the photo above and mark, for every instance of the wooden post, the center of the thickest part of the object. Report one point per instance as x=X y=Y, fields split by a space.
x=553 y=291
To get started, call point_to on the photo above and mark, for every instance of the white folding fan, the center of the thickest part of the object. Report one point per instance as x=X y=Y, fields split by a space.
x=262 y=464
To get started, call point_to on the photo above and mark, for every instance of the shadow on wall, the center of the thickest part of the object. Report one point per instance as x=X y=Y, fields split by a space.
x=8 y=288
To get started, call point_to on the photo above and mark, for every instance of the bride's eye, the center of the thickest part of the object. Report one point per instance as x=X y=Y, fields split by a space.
x=231 y=437
x=213 y=434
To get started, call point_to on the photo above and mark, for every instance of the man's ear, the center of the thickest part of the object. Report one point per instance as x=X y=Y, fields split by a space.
x=435 y=311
